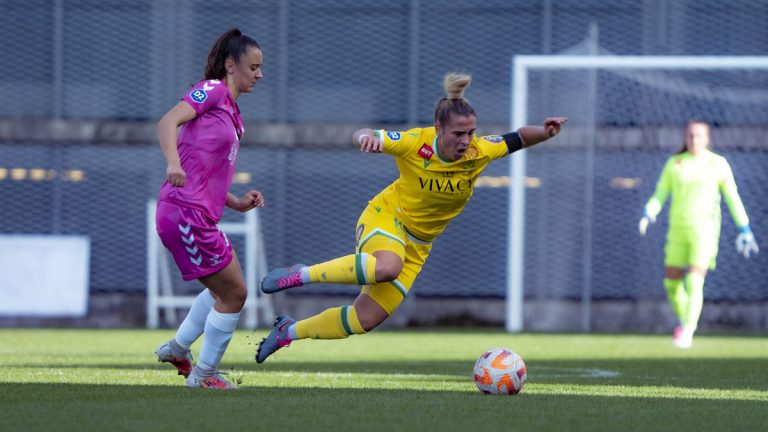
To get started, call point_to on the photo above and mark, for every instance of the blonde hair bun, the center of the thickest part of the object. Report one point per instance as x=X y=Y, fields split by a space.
x=455 y=84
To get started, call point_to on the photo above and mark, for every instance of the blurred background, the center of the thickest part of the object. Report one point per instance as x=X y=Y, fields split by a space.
x=85 y=81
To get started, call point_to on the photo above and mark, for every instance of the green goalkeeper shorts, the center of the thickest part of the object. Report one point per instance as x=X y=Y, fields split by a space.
x=690 y=246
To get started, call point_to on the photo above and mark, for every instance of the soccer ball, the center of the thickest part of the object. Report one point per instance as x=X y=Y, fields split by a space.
x=500 y=371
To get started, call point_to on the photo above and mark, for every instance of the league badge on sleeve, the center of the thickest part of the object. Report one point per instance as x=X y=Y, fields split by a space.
x=394 y=136
x=199 y=95
x=494 y=138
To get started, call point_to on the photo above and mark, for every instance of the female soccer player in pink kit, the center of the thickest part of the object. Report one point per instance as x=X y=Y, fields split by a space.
x=201 y=163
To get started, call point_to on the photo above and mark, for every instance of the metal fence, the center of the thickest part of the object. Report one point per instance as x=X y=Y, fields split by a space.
x=315 y=197
x=367 y=62
x=330 y=60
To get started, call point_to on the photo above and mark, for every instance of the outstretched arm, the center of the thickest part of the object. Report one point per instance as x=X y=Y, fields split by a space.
x=532 y=135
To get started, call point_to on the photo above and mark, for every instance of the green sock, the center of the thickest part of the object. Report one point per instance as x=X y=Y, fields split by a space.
x=678 y=297
x=694 y=285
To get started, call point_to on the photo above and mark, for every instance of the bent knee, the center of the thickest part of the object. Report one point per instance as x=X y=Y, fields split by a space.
x=388 y=273
x=235 y=297
x=369 y=322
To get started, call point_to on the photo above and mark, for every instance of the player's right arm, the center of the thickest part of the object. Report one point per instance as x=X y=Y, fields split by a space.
x=368 y=140
x=390 y=142
x=656 y=202
x=166 y=133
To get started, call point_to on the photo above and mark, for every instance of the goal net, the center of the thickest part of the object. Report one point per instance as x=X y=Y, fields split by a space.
x=575 y=201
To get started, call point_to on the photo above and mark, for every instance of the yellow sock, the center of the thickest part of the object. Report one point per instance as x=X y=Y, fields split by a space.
x=357 y=269
x=334 y=323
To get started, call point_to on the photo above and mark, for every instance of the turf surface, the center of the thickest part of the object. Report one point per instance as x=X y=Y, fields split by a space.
x=74 y=380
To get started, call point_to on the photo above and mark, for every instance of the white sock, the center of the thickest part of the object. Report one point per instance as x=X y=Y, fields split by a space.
x=194 y=323
x=305 y=275
x=292 y=332
x=219 y=328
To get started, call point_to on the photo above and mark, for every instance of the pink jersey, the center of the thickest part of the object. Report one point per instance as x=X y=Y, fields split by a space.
x=208 y=147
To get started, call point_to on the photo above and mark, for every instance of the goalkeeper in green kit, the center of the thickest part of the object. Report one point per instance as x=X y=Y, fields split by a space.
x=695 y=178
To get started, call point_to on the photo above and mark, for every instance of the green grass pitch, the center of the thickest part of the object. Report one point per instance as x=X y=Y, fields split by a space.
x=75 y=380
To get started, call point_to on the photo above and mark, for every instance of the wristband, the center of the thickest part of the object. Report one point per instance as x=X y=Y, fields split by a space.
x=745 y=229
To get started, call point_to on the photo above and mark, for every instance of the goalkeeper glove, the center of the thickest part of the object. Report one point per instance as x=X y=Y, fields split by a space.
x=745 y=242
x=644 y=222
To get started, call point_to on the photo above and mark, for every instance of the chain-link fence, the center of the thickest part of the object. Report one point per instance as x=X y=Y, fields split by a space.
x=331 y=60
x=371 y=62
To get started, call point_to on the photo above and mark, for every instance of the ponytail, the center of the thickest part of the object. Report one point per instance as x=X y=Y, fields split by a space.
x=232 y=44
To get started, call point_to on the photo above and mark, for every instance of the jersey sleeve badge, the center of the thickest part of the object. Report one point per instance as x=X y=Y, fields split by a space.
x=494 y=138
x=198 y=95
x=394 y=136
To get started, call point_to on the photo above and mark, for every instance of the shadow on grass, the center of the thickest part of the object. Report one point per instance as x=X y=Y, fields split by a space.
x=725 y=373
x=65 y=407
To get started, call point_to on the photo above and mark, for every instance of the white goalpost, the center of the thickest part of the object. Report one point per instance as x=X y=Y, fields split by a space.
x=258 y=308
x=522 y=66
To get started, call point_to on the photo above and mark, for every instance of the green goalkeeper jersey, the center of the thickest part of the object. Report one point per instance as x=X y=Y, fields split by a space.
x=696 y=184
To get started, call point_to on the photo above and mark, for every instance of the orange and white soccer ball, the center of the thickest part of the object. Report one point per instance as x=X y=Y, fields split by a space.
x=500 y=371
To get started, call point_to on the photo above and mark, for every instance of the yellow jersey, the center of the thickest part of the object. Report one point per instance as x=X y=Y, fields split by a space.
x=431 y=191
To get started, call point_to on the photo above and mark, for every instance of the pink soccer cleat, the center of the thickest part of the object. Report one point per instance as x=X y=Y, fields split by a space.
x=276 y=339
x=282 y=278
x=183 y=363
x=216 y=382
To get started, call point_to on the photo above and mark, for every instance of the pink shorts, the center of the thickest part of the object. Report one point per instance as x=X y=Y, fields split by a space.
x=197 y=244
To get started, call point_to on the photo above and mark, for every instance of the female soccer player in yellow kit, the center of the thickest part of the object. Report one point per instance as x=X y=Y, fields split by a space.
x=438 y=167
x=695 y=177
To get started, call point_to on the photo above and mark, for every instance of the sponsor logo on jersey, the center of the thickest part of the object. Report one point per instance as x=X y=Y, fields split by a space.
x=494 y=138
x=394 y=136
x=199 y=95
x=446 y=185
x=426 y=152
x=233 y=152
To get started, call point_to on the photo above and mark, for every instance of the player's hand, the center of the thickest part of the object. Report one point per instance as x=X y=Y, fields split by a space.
x=370 y=144
x=252 y=199
x=646 y=220
x=745 y=242
x=552 y=125
x=176 y=175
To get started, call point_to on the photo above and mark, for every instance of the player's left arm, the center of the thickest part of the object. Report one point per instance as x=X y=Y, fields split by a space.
x=529 y=136
x=745 y=242
x=248 y=201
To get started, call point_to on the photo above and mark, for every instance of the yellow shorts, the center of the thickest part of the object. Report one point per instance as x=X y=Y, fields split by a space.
x=694 y=246
x=380 y=229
